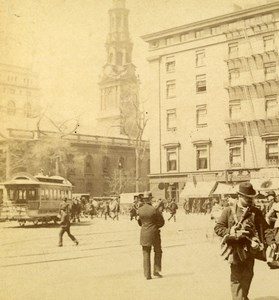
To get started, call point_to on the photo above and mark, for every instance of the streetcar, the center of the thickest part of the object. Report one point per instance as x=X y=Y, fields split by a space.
x=33 y=198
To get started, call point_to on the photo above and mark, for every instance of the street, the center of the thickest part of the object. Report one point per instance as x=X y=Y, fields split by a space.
x=107 y=263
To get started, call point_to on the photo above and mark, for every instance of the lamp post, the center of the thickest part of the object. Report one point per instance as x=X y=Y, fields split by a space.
x=120 y=167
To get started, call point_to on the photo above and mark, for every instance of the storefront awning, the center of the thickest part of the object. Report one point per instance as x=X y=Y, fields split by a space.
x=225 y=189
x=265 y=184
x=200 y=190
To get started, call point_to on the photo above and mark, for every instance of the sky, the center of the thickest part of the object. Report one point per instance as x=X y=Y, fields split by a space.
x=63 y=41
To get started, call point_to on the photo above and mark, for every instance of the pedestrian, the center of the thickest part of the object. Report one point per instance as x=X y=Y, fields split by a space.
x=65 y=203
x=65 y=225
x=160 y=206
x=116 y=209
x=272 y=237
x=271 y=198
x=150 y=220
x=75 y=210
x=133 y=210
x=173 y=207
x=107 y=210
x=241 y=226
x=186 y=206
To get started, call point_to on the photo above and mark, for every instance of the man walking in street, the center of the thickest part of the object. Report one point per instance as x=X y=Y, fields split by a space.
x=65 y=226
x=173 y=207
x=241 y=226
x=107 y=210
x=150 y=220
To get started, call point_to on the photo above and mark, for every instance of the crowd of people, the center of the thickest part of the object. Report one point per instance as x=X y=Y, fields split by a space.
x=81 y=207
x=248 y=227
x=170 y=206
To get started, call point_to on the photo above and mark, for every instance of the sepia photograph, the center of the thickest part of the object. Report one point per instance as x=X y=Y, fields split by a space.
x=139 y=149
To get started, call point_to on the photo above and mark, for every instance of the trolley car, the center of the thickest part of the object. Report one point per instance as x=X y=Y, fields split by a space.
x=33 y=198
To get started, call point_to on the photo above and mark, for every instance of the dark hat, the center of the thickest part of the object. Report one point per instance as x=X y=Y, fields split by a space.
x=246 y=189
x=271 y=193
x=147 y=195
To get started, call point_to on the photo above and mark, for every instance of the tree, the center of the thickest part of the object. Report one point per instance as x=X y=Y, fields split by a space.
x=15 y=157
x=51 y=152
x=133 y=123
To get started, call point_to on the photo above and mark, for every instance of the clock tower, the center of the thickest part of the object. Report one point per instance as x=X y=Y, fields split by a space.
x=118 y=81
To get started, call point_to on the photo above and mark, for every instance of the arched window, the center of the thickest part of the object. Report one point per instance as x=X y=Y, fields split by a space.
x=106 y=165
x=89 y=187
x=128 y=58
x=88 y=165
x=110 y=58
x=11 y=109
x=119 y=58
x=27 y=110
x=121 y=163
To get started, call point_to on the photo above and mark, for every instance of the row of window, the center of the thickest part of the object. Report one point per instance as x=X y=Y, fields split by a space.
x=233 y=52
x=234 y=74
x=16 y=91
x=12 y=78
x=88 y=162
x=271 y=110
x=24 y=194
x=257 y=24
x=235 y=155
x=269 y=71
x=27 y=109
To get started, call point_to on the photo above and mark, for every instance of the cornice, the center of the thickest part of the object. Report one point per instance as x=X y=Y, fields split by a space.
x=230 y=17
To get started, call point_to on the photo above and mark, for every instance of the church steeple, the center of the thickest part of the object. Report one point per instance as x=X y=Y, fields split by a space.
x=118 y=81
x=118 y=45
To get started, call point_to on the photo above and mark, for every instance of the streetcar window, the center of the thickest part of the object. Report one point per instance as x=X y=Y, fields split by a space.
x=55 y=194
x=1 y=196
x=42 y=194
x=11 y=194
x=21 y=194
x=51 y=193
x=31 y=194
x=46 y=194
x=62 y=194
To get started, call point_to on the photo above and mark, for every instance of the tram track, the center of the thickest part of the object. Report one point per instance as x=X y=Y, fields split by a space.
x=93 y=255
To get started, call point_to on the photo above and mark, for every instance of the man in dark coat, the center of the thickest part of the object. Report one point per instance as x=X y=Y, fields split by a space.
x=243 y=238
x=150 y=220
x=65 y=225
x=173 y=207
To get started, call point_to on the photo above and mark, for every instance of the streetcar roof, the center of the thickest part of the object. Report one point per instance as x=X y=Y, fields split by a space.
x=27 y=179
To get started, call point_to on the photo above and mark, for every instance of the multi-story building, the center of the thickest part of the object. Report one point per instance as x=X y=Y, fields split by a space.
x=215 y=99
x=99 y=163
x=19 y=98
x=94 y=164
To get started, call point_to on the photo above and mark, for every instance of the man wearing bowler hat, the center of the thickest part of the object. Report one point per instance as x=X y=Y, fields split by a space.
x=244 y=225
x=150 y=220
x=271 y=198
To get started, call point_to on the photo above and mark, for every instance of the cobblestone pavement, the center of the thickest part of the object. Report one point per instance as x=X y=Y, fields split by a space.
x=107 y=264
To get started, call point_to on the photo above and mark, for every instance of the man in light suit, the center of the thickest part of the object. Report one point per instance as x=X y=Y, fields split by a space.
x=150 y=220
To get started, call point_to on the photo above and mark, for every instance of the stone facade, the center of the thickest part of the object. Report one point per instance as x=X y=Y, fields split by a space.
x=215 y=86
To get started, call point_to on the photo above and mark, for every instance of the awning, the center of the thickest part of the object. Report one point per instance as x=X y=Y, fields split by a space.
x=201 y=190
x=265 y=184
x=225 y=189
